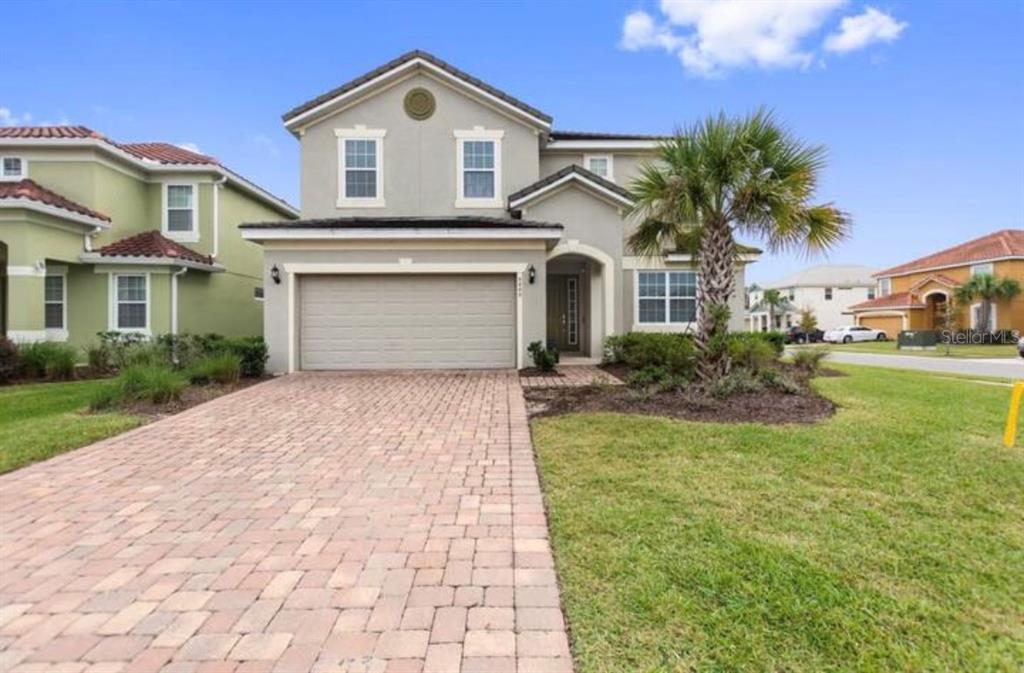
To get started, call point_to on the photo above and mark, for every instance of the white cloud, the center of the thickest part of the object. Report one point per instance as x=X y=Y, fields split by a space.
x=265 y=144
x=8 y=118
x=713 y=37
x=857 y=32
x=191 y=147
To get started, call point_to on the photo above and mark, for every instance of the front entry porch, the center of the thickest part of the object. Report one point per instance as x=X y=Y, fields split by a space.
x=574 y=307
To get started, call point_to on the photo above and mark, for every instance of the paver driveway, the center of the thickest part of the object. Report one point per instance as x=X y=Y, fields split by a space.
x=325 y=522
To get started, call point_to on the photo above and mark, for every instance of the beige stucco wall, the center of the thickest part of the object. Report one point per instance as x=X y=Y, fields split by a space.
x=419 y=157
x=625 y=166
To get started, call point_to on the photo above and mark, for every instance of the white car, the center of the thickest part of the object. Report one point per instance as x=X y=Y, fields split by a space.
x=851 y=333
x=1020 y=346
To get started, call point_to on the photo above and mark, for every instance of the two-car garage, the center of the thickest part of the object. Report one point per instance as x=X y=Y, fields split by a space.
x=407 y=321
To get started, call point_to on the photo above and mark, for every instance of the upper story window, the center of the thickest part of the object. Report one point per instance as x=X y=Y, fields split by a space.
x=979 y=269
x=12 y=168
x=479 y=168
x=599 y=164
x=828 y=294
x=181 y=212
x=666 y=297
x=360 y=167
x=885 y=287
x=871 y=293
x=791 y=294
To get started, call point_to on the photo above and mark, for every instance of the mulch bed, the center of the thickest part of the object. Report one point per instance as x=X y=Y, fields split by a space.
x=190 y=397
x=768 y=406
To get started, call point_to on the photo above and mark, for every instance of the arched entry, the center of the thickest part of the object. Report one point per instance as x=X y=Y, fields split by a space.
x=580 y=298
x=936 y=306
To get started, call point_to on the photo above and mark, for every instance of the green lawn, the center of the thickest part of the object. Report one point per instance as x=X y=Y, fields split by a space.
x=964 y=351
x=888 y=538
x=41 y=420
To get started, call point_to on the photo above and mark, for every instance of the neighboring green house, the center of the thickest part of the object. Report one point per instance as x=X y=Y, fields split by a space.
x=97 y=235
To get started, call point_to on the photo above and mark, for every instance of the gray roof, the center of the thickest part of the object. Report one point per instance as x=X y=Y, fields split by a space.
x=430 y=58
x=595 y=135
x=571 y=168
x=828 y=275
x=457 y=222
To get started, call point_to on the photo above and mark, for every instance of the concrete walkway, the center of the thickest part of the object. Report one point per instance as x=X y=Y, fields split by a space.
x=319 y=522
x=1010 y=368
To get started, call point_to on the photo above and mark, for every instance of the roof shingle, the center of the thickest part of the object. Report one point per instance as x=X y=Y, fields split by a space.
x=897 y=300
x=31 y=190
x=152 y=244
x=399 y=222
x=1000 y=244
x=571 y=169
x=49 y=132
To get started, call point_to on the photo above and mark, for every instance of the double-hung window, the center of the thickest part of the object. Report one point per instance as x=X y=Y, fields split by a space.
x=181 y=212
x=666 y=297
x=12 y=168
x=884 y=287
x=360 y=167
x=55 y=298
x=131 y=303
x=980 y=269
x=599 y=164
x=828 y=294
x=479 y=168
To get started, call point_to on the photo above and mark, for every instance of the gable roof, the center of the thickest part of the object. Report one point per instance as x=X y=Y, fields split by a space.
x=409 y=60
x=828 y=275
x=571 y=173
x=939 y=278
x=30 y=190
x=148 y=156
x=1005 y=244
x=153 y=244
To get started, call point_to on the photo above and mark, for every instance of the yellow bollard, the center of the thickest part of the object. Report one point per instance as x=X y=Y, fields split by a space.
x=1011 y=420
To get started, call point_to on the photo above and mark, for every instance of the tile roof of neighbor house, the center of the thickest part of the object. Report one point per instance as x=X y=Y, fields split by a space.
x=997 y=245
x=828 y=275
x=570 y=169
x=31 y=190
x=897 y=300
x=401 y=60
x=596 y=135
x=49 y=132
x=152 y=244
x=166 y=153
x=456 y=222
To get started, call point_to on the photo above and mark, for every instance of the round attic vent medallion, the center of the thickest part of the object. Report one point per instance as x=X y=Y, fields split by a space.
x=419 y=104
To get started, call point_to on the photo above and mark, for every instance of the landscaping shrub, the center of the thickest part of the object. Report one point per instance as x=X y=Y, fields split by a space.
x=46 y=359
x=98 y=357
x=736 y=382
x=673 y=353
x=60 y=362
x=8 y=360
x=809 y=359
x=544 y=359
x=773 y=378
x=748 y=350
x=106 y=397
x=223 y=368
x=156 y=384
x=251 y=353
x=127 y=349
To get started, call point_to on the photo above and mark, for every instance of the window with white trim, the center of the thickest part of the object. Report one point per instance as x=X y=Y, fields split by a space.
x=360 y=167
x=871 y=293
x=828 y=294
x=884 y=287
x=54 y=298
x=666 y=297
x=478 y=159
x=131 y=297
x=12 y=168
x=599 y=164
x=181 y=212
x=979 y=269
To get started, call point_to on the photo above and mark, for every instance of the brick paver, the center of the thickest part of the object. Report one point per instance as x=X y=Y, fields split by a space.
x=319 y=522
x=570 y=376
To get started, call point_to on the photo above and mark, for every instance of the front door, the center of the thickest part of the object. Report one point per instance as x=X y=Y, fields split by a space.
x=564 y=312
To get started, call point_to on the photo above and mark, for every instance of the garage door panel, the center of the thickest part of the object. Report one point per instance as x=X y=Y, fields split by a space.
x=360 y=322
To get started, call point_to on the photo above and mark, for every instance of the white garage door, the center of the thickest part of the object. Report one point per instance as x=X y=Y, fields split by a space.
x=407 y=321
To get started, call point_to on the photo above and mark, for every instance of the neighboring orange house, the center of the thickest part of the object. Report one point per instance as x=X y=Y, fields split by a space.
x=914 y=296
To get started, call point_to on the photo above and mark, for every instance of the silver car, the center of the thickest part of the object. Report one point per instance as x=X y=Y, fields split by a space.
x=1020 y=346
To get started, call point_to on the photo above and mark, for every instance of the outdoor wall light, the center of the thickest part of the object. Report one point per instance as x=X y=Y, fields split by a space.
x=531 y=274
x=275 y=275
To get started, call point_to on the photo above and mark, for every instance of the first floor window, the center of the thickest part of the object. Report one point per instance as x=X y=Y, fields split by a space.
x=181 y=202
x=132 y=298
x=54 y=292
x=667 y=297
x=12 y=168
x=361 y=160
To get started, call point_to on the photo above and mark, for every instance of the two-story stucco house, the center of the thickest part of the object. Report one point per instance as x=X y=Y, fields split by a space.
x=445 y=224
x=97 y=235
x=827 y=290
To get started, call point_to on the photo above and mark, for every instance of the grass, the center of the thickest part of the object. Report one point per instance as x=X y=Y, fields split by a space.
x=956 y=351
x=42 y=420
x=887 y=538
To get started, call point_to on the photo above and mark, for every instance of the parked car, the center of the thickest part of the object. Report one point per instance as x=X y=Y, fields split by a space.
x=851 y=333
x=797 y=335
x=1020 y=346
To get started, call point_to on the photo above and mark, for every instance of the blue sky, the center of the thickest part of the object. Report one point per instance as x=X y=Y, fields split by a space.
x=920 y=104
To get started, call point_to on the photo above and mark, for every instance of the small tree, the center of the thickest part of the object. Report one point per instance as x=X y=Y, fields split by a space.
x=949 y=322
x=808 y=321
x=988 y=289
x=773 y=301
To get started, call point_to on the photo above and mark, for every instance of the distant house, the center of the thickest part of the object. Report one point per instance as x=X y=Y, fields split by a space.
x=915 y=295
x=98 y=235
x=828 y=290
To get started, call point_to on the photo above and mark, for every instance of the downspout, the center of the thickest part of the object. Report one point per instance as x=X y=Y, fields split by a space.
x=88 y=237
x=174 y=312
x=216 y=214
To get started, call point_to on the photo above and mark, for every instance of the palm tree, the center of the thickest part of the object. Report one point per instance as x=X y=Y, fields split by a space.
x=772 y=300
x=988 y=289
x=723 y=177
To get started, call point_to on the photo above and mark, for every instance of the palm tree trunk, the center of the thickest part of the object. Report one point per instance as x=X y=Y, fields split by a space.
x=716 y=268
x=986 y=313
